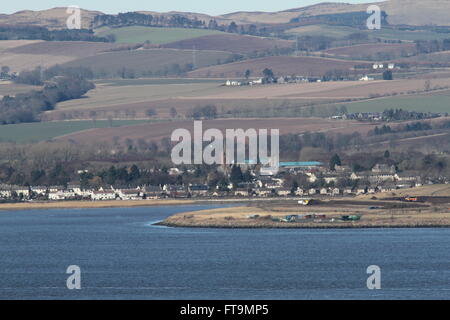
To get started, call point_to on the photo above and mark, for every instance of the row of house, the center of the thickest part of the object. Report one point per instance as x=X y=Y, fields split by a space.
x=279 y=80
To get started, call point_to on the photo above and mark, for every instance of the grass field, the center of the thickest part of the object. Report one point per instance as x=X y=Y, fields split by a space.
x=40 y=131
x=139 y=34
x=422 y=103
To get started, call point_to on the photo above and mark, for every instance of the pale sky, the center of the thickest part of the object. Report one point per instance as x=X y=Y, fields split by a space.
x=215 y=7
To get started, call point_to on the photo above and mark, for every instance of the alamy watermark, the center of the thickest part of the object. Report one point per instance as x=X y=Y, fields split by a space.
x=374 y=280
x=374 y=21
x=74 y=19
x=229 y=150
x=74 y=280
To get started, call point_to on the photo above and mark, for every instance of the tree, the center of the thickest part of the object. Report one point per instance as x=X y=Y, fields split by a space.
x=387 y=75
x=151 y=112
x=335 y=161
x=387 y=154
x=268 y=74
x=233 y=28
x=247 y=74
x=173 y=112
x=236 y=175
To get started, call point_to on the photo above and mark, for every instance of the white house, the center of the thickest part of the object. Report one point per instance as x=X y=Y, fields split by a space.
x=103 y=195
x=129 y=194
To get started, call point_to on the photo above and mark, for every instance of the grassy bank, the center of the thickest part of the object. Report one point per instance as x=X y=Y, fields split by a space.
x=373 y=213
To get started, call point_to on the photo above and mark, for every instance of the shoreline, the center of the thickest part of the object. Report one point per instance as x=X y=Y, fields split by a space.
x=304 y=227
x=359 y=213
x=93 y=204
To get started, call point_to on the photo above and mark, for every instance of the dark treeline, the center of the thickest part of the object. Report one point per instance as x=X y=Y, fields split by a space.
x=41 y=33
x=39 y=75
x=60 y=84
x=416 y=126
x=402 y=115
x=351 y=19
x=175 y=21
x=429 y=46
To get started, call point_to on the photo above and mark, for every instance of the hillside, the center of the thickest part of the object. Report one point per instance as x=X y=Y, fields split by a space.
x=280 y=65
x=231 y=42
x=152 y=62
x=25 y=54
x=400 y=12
x=54 y=18
x=140 y=34
x=409 y=12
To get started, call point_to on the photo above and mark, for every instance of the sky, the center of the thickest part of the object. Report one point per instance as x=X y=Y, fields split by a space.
x=215 y=7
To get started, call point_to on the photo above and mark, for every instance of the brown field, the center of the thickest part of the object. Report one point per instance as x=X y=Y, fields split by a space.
x=25 y=55
x=77 y=49
x=9 y=44
x=364 y=50
x=230 y=42
x=119 y=100
x=9 y=88
x=281 y=65
x=158 y=131
x=154 y=60
x=162 y=107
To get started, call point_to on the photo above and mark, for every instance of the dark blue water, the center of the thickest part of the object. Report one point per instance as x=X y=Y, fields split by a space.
x=122 y=256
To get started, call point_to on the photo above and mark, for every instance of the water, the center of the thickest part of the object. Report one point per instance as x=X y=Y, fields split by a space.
x=122 y=256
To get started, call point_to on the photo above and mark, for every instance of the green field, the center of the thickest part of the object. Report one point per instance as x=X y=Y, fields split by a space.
x=420 y=103
x=385 y=33
x=137 y=34
x=41 y=131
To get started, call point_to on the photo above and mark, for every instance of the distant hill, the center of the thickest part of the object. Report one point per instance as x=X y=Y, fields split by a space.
x=52 y=18
x=407 y=12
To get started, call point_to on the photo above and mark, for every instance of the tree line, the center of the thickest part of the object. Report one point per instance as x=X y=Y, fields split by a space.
x=42 y=33
x=60 y=84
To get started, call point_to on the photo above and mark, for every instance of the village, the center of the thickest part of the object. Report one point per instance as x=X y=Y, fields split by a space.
x=319 y=181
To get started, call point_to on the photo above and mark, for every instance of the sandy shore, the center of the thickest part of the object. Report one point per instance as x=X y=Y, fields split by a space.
x=92 y=204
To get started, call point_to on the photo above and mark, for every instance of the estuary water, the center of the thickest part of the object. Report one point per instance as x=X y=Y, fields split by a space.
x=122 y=255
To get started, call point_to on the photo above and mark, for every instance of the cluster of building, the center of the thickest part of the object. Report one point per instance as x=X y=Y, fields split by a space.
x=318 y=181
x=279 y=80
x=381 y=116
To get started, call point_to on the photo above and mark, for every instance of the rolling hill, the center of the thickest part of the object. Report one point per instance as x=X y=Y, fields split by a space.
x=54 y=18
x=149 y=62
x=140 y=34
x=400 y=12
x=280 y=65
x=231 y=42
